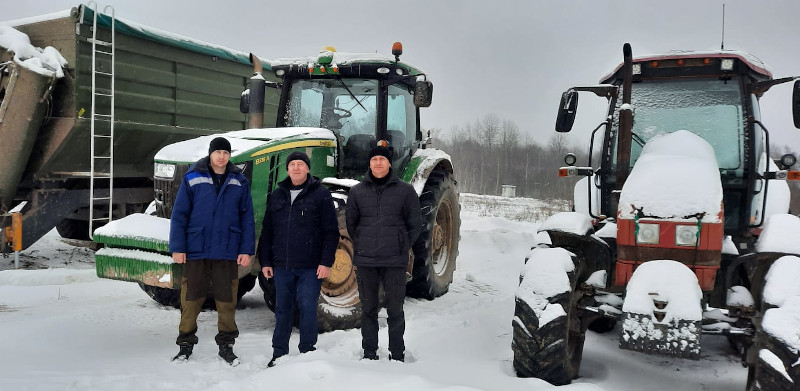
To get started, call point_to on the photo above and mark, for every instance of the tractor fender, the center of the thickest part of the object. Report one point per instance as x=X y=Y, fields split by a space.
x=422 y=163
x=574 y=231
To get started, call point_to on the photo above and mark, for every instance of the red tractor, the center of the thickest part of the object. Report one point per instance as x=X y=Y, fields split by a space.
x=681 y=225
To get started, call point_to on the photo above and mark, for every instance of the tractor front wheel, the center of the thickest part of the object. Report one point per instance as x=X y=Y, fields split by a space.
x=436 y=249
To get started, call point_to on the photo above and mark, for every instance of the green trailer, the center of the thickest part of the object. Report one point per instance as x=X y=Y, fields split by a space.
x=165 y=88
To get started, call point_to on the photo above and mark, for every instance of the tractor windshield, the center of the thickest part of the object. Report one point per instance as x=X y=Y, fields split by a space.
x=345 y=106
x=710 y=108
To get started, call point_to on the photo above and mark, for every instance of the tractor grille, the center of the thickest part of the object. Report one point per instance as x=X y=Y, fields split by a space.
x=166 y=190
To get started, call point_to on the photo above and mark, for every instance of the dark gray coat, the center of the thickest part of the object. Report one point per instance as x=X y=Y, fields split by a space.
x=383 y=221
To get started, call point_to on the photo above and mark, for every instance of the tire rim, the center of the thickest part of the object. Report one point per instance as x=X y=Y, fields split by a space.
x=442 y=237
x=339 y=288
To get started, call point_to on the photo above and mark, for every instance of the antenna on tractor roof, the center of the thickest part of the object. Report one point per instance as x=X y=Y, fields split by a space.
x=722 y=46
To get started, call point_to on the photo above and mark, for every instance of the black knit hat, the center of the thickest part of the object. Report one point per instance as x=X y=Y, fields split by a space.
x=219 y=144
x=296 y=155
x=380 y=151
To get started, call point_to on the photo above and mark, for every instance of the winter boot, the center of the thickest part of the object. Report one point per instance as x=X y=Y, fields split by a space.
x=226 y=352
x=397 y=357
x=370 y=355
x=184 y=353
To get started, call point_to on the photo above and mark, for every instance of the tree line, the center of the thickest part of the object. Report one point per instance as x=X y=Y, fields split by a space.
x=490 y=152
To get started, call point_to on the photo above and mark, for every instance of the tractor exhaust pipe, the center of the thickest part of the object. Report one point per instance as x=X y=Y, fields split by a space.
x=256 y=86
x=625 y=119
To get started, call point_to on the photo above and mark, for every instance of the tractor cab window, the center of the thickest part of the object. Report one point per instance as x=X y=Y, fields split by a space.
x=401 y=123
x=710 y=108
x=345 y=106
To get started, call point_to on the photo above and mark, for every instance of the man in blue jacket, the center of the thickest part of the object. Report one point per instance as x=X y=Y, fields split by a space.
x=212 y=231
x=297 y=246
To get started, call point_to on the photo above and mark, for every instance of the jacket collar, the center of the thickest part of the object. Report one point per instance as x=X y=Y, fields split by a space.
x=202 y=166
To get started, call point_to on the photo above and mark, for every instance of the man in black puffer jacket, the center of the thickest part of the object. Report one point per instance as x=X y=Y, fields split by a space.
x=298 y=244
x=384 y=220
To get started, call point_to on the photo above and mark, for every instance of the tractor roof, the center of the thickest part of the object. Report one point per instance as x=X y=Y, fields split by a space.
x=752 y=62
x=343 y=60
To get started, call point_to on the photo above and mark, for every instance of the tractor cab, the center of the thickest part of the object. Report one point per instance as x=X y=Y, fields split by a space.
x=363 y=99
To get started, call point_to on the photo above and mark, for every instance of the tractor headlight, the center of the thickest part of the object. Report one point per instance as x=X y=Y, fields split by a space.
x=686 y=235
x=648 y=233
x=163 y=170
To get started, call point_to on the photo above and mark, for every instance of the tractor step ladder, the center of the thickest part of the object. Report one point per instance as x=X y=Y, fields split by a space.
x=101 y=184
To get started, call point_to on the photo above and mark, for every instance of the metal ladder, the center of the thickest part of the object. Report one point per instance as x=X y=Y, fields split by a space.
x=101 y=176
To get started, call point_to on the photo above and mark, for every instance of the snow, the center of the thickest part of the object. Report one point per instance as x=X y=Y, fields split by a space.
x=671 y=282
x=241 y=141
x=739 y=296
x=774 y=361
x=609 y=231
x=545 y=276
x=783 y=280
x=430 y=158
x=46 y=62
x=570 y=222
x=780 y=235
x=676 y=176
x=729 y=247
x=66 y=329
x=137 y=225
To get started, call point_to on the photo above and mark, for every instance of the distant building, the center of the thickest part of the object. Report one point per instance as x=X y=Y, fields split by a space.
x=509 y=191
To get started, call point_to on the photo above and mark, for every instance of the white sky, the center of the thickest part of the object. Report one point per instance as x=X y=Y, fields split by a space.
x=511 y=58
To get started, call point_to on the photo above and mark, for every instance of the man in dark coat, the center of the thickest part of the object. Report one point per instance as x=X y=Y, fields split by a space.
x=298 y=245
x=384 y=220
x=212 y=231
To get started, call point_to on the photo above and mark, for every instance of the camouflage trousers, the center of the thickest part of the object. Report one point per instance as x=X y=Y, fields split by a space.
x=202 y=277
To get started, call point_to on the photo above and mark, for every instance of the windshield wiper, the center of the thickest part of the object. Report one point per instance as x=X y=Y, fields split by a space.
x=352 y=95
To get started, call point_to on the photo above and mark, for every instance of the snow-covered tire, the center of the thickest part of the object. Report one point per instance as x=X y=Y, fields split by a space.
x=552 y=352
x=776 y=359
x=339 y=304
x=172 y=297
x=436 y=248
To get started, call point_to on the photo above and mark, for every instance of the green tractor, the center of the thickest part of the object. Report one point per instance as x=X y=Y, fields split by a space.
x=335 y=108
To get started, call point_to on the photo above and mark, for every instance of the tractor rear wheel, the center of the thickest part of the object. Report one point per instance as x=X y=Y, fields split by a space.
x=551 y=351
x=436 y=249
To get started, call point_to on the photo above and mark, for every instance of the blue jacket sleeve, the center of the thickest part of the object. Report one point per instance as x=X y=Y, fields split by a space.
x=248 y=243
x=330 y=229
x=179 y=221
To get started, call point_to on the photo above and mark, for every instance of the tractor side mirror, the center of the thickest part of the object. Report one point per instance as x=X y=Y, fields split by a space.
x=566 y=111
x=796 y=104
x=423 y=93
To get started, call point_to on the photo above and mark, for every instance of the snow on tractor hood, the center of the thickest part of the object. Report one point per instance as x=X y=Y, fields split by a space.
x=242 y=141
x=676 y=176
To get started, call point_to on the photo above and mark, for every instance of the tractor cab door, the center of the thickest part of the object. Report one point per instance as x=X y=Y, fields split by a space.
x=401 y=124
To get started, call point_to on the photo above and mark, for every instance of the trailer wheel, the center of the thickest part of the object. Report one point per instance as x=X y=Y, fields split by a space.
x=339 y=304
x=73 y=229
x=172 y=297
x=436 y=249
x=775 y=367
x=553 y=351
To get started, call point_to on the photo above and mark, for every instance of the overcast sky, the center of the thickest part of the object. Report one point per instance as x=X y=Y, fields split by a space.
x=509 y=58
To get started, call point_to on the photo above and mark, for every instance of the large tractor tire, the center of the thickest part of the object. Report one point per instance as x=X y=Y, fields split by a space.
x=775 y=367
x=553 y=351
x=172 y=297
x=339 y=304
x=436 y=249
x=73 y=229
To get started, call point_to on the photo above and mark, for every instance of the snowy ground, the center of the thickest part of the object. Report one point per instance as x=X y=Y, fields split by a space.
x=66 y=329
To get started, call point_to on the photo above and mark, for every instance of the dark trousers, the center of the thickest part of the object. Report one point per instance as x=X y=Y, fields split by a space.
x=200 y=276
x=301 y=286
x=394 y=288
